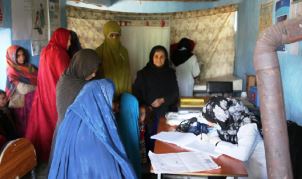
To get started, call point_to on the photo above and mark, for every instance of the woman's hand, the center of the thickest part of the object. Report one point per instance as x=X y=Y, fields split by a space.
x=213 y=139
x=158 y=102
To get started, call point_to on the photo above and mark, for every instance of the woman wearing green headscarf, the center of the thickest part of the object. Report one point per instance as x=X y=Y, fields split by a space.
x=115 y=61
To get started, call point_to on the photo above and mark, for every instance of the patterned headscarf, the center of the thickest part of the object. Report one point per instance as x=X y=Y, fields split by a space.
x=25 y=73
x=230 y=114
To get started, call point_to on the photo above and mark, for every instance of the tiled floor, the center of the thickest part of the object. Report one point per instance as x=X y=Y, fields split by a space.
x=40 y=172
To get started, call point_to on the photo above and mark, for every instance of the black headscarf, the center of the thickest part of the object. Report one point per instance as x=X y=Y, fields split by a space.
x=230 y=114
x=154 y=82
x=182 y=52
x=75 y=44
x=83 y=64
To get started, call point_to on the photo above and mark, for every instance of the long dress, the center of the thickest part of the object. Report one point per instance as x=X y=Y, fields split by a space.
x=20 y=87
x=154 y=82
x=115 y=59
x=43 y=117
x=83 y=64
x=129 y=129
x=87 y=143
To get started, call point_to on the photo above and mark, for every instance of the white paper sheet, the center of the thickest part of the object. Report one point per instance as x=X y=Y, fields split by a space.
x=182 y=162
x=21 y=19
x=187 y=141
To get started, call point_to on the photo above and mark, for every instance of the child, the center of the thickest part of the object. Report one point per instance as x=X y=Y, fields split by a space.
x=142 y=131
x=7 y=124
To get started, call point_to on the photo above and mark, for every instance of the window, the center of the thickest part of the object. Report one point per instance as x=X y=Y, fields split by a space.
x=5 y=36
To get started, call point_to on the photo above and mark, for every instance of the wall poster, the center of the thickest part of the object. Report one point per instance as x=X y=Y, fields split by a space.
x=54 y=16
x=39 y=25
x=281 y=14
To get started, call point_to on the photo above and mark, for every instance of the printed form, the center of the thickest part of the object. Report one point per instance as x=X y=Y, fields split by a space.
x=182 y=162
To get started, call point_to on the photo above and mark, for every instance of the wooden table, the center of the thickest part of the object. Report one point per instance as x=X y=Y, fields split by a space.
x=228 y=165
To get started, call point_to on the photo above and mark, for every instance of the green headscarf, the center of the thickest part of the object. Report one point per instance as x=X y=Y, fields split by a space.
x=115 y=60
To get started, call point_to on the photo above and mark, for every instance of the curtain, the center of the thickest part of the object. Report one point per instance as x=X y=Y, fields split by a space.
x=212 y=30
x=140 y=32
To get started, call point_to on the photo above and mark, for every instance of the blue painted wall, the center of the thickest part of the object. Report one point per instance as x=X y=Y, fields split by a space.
x=291 y=72
x=5 y=36
x=248 y=15
x=290 y=65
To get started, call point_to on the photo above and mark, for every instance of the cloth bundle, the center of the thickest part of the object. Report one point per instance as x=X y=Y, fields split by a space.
x=192 y=126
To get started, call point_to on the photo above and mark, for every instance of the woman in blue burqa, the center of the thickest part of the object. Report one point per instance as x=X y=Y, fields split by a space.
x=88 y=144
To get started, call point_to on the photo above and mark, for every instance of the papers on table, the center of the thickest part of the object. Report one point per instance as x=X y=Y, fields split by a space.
x=182 y=162
x=175 y=118
x=187 y=141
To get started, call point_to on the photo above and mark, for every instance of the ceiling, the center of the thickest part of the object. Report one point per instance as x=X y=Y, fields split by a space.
x=150 y=6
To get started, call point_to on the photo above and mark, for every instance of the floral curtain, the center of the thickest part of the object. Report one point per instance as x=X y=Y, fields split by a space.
x=88 y=23
x=212 y=30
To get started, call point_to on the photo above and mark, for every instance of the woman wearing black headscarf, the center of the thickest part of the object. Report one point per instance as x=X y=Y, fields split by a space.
x=75 y=44
x=156 y=85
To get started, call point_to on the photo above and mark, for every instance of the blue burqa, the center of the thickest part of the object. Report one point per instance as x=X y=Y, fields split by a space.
x=88 y=144
x=129 y=129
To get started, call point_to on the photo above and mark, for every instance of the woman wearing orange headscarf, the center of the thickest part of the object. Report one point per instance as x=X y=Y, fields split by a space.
x=20 y=85
x=54 y=59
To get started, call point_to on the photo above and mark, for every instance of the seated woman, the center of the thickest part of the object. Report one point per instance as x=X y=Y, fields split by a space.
x=87 y=142
x=238 y=134
x=156 y=85
x=20 y=85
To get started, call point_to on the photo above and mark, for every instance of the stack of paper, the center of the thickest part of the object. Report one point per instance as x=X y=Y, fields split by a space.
x=187 y=141
x=182 y=162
